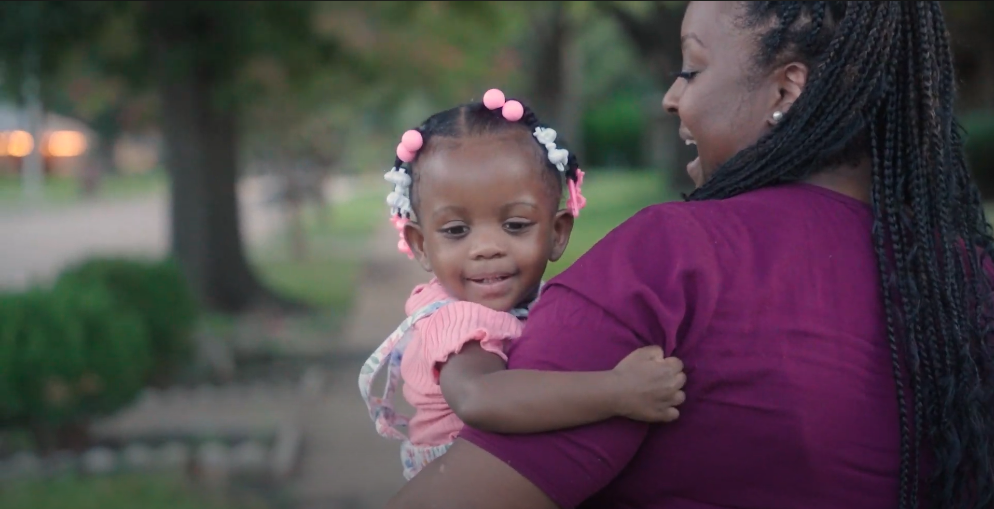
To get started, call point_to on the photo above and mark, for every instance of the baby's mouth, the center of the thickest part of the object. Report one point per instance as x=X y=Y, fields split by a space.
x=489 y=279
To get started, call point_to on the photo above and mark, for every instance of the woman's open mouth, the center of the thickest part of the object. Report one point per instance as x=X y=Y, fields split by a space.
x=693 y=167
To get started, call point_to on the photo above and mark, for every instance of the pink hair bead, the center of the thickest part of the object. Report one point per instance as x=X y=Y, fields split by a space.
x=412 y=140
x=403 y=154
x=513 y=111
x=493 y=99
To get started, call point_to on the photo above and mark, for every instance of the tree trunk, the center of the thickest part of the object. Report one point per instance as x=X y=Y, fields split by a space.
x=201 y=144
x=99 y=162
x=556 y=74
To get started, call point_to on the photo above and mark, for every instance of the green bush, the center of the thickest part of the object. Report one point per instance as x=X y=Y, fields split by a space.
x=613 y=132
x=67 y=354
x=158 y=293
x=117 y=348
x=980 y=150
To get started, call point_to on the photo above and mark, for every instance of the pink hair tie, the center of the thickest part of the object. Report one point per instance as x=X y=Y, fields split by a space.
x=409 y=145
x=402 y=246
x=511 y=110
x=576 y=200
x=493 y=99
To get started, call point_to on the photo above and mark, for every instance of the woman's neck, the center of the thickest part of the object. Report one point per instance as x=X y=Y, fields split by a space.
x=855 y=181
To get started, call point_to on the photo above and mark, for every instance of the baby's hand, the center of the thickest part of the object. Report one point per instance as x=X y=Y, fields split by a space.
x=649 y=385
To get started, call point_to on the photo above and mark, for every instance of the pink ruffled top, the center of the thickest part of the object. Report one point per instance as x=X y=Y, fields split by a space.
x=433 y=340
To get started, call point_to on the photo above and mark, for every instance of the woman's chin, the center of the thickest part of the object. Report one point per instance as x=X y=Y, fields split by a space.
x=696 y=172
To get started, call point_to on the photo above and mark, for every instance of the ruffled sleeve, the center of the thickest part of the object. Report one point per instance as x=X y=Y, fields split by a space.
x=445 y=332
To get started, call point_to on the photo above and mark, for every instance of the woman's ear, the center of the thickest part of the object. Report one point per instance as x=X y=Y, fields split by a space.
x=562 y=227
x=791 y=81
x=416 y=240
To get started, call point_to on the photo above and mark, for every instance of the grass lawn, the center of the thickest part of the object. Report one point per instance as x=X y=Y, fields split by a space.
x=65 y=190
x=335 y=242
x=115 y=492
x=612 y=197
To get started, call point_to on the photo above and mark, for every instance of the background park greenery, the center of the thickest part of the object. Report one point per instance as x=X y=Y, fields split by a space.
x=301 y=92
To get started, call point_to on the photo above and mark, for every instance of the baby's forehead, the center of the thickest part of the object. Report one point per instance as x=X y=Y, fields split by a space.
x=513 y=140
x=468 y=167
x=497 y=153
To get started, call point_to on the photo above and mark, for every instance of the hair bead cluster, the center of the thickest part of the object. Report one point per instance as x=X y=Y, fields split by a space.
x=446 y=124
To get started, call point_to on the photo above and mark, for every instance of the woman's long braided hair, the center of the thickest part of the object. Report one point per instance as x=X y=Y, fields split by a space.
x=882 y=85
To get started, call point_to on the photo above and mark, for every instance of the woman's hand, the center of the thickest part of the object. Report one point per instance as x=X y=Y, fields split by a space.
x=649 y=385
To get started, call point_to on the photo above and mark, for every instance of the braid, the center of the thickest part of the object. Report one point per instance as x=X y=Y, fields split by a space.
x=475 y=119
x=882 y=85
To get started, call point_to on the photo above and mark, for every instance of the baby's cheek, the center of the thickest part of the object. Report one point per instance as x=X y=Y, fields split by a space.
x=533 y=262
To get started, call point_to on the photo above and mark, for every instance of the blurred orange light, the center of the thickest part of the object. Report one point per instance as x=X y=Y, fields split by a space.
x=65 y=144
x=19 y=143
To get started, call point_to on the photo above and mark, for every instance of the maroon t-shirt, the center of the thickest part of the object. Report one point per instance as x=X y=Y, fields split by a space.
x=771 y=299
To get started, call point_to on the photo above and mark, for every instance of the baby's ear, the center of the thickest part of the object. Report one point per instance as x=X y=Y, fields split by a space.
x=416 y=240
x=562 y=227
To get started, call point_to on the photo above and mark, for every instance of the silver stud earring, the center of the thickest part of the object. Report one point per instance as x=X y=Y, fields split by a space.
x=777 y=117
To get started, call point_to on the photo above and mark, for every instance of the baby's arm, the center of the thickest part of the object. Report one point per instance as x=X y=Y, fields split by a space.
x=643 y=386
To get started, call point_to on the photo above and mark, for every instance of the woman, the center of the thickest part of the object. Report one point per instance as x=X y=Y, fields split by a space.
x=822 y=286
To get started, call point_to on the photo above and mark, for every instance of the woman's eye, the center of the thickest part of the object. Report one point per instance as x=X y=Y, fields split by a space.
x=687 y=75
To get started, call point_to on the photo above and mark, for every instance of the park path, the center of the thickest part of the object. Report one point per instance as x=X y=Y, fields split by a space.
x=345 y=464
x=37 y=242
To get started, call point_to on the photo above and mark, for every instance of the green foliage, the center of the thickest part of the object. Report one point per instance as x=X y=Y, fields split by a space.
x=614 y=131
x=66 y=354
x=980 y=150
x=42 y=353
x=115 y=346
x=115 y=492
x=157 y=292
x=36 y=35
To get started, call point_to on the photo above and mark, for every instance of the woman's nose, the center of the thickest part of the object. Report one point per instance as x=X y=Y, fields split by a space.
x=672 y=98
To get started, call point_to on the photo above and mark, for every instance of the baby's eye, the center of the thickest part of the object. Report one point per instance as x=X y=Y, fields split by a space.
x=517 y=226
x=458 y=230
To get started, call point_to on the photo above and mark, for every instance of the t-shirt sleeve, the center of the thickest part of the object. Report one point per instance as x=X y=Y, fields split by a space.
x=446 y=331
x=625 y=293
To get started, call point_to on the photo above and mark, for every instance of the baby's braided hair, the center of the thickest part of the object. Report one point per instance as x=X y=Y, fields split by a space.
x=492 y=116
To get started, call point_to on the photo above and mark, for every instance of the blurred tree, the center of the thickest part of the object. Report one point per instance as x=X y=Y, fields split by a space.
x=653 y=29
x=554 y=65
x=210 y=63
x=192 y=54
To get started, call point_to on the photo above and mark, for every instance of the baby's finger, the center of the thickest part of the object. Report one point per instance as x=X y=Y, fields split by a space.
x=678 y=398
x=670 y=415
x=679 y=380
x=674 y=363
x=653 y=352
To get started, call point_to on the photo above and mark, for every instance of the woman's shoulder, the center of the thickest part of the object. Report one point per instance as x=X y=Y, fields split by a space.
x=665 y=230
x=658 y=247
